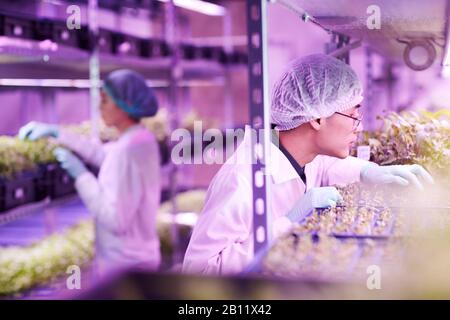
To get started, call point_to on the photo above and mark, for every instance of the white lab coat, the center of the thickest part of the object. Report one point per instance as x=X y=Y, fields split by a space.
x=124 y=199
x=222 y=240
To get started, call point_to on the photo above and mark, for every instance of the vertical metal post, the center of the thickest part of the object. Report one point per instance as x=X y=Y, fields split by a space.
x=369 y=90
x=344 y=41
x=94 y=68
x=446 y=55
x=388 y=74
x=259 y=120
x=338 y=41
x=175 y=76
x=48 y=104
x=24 y=105
x=228 y=47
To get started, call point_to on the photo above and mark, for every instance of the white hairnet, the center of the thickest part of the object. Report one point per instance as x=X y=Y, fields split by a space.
x=315 y=86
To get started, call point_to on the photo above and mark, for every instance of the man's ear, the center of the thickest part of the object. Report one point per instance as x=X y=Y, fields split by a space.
x=316 y=124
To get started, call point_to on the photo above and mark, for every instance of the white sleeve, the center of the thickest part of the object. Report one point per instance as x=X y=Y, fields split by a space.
x=115 y=200
x=91 y=150
x=342 y=171
x=222 y=241
x=217 y=243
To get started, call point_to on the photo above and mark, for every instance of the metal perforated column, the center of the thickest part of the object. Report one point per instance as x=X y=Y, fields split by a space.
x=172 y=38
x=259 y=119
x=94 y=68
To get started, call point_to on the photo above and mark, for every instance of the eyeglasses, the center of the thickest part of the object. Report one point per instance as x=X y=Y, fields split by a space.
x=356 y=121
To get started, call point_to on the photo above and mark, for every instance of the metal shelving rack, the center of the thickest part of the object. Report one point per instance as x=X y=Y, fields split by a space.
x=339 y=46
x=46 y=64
x=33 y=63
x=260 y=106
x=259 y=119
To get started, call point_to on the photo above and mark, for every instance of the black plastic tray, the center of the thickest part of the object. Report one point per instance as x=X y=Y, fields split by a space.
x=17 y=191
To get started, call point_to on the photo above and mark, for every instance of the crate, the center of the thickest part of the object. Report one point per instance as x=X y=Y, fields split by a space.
x=212 y=53
x=190 y=52
x=223 y=58
x=44 y=180
x=233 y=58
x=105 y=41
x=42 y=30
x=17 y=27
x=62 y=35
x=54 y=182
x=17 y=191
x=62 y=183
x=85 y=39
x=165 y=49
x=154 y=48
x=49 y=180
x=125 y=45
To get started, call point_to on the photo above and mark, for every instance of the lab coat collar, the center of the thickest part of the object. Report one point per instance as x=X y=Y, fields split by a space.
x=131 y=130
x=279 y=166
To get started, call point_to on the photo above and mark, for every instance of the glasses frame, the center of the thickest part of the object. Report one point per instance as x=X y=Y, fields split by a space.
x=356 y=121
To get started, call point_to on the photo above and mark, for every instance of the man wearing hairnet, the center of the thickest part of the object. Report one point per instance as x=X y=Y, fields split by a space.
x=125 y=198
x=315 y=112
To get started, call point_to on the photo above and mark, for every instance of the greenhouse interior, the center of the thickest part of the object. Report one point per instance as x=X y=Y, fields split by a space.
x=215 y=149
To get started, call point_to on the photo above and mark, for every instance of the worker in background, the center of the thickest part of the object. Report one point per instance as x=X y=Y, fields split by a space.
x=125 y=197
x=316 y=116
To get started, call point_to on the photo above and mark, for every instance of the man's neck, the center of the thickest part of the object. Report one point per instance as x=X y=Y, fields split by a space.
x=123 y=127
x=299 y=145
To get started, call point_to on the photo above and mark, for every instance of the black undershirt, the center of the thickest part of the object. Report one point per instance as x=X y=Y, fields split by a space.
x=300 y=170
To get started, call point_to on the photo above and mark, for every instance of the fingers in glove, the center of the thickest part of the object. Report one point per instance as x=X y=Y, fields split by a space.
x=332 y=203
x=418 y=170
x=34 y=134
x=25 y=131
x=335 y=195
x=329 y=197
x=60 y=153
x=390 y=178
x=406 y=174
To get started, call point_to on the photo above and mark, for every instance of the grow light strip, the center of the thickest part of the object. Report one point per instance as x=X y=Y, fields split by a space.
x=200 y=6
x=86 y=84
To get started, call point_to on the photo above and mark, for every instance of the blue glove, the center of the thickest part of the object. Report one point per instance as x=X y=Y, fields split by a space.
x=71 y=163
x=322 y=197
x=401 y=174
x=36 y=130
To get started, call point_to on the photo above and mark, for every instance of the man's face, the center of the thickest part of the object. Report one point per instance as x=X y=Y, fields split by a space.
x=338 y=132
x=112 y=115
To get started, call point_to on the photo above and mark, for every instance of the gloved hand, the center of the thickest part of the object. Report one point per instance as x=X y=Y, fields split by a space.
x=74 y=166
x=400 y=174
x=322 y=197
x=36 y=130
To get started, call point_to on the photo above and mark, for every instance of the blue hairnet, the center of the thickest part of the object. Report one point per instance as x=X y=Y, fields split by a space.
x=315 y=86
x=129 y=91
